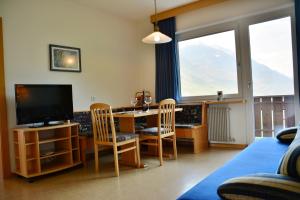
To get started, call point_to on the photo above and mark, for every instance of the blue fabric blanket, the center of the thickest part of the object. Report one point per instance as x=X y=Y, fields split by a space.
x=262 y=156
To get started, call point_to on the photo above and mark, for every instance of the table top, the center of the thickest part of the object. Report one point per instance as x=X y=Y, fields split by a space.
x=139 y=113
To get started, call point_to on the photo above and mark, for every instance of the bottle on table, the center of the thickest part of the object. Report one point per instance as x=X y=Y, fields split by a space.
x=144 y=106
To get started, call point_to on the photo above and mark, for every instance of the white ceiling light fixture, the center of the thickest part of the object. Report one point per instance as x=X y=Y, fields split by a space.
x=156 y=37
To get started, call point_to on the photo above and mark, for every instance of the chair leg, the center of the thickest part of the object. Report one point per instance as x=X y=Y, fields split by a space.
x=137 y=150
x=96 y=158
x=174 y=147
x=160 y=151
x=116 y=160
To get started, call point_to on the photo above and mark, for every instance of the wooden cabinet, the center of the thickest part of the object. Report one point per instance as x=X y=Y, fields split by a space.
x=44 y=150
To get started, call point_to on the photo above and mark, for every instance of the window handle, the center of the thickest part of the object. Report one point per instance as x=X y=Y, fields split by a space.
x=249 y=84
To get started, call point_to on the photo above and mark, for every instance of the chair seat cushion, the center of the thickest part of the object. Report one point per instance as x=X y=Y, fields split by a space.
x=123 y=137
x=191 y=125
x=151 y=131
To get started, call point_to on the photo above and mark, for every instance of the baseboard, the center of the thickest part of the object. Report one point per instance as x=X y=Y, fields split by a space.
x=229 y=146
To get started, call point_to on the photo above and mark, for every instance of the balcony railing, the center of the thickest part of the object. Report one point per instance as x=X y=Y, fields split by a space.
x=273 y=113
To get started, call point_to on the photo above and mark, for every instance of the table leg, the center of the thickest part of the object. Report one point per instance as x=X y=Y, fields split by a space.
x=152 y=122
x=127 y=125
x=86 y=145
x=83 y=147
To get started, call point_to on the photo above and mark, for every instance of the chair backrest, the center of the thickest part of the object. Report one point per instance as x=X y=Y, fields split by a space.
x=166 y=116
x=103 y=122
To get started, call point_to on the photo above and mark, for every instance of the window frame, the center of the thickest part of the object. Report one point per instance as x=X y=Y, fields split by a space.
x=206 y=31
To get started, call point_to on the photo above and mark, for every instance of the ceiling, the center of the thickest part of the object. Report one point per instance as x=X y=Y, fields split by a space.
x=132 y=9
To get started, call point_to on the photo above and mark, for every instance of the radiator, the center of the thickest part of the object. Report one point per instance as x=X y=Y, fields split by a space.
x=219 y=124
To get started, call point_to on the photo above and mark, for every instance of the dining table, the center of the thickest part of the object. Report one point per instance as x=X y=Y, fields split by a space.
x=127 y=125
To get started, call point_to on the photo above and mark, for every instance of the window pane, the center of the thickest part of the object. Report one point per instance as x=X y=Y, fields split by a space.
x=208 y=64
x=272 y=75
x=272 y=58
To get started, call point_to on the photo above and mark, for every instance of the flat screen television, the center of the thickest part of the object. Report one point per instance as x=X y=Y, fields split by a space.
x=43 y=103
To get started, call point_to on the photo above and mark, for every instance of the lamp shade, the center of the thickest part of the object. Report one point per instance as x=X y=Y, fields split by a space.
x=157 y=38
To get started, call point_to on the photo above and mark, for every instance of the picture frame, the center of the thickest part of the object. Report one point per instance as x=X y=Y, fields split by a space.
x=64 y=58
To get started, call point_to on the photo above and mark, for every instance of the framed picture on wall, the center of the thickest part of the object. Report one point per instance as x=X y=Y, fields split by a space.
x=62 y=58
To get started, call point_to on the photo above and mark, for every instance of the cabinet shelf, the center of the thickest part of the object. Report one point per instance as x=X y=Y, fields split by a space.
x=31 y=143
x=52 y=140
x=40 y=151
x=30 y=159
x=77 y=163
x=55 y=154
x=57 y=167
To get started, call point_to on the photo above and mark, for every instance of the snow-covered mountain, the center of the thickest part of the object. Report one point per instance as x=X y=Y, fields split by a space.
x=200 y=64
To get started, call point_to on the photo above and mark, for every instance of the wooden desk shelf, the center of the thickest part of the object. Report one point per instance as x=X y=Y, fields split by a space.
x=44 y=150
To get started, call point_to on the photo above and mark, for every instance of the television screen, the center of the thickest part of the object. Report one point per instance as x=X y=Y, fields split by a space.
x=43 y=103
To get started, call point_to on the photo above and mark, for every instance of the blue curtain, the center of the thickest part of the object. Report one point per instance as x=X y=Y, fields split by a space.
x=167 y=70
x=297 y=15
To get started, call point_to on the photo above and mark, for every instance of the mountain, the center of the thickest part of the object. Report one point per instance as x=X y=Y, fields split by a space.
x=200 y=64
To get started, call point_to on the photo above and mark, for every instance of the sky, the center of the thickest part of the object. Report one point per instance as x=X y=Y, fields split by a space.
x=271 y=44
x=224 y=40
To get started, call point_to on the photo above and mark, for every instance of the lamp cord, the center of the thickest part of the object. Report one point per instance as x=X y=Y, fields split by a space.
x=156 y=28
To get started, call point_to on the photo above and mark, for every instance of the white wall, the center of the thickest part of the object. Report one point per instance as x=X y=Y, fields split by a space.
x=109 y=51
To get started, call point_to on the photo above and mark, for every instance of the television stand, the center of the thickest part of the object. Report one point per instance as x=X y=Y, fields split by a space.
x=43 y=150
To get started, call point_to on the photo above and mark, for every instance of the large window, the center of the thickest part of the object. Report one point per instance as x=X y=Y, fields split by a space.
x=208 y=63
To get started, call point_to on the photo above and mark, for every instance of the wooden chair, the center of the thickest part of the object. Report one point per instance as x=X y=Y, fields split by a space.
x=165 y=128
x=105 y=134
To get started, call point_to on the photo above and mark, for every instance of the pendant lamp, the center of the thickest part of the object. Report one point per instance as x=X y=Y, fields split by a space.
x=156 y=37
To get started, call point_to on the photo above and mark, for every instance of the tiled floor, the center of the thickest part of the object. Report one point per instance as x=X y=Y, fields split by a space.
x=152 y=182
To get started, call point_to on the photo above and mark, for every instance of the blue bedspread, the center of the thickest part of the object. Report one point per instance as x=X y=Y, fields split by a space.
x=262 y=156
